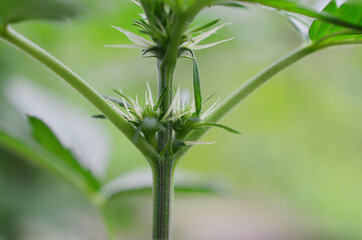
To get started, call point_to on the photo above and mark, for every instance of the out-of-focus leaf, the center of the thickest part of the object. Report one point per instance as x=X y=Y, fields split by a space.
x=295 y=6
x=99 y=116
x=350 y=11
x=197 y=88
x=35 y=154
x=12 y=11
x=46 y=138
x=140 y=181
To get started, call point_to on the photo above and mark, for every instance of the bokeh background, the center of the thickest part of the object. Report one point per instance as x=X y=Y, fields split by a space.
x=295 y=172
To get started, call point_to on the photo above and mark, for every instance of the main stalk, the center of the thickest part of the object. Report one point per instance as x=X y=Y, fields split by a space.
x=163 y=168
x=163 y=200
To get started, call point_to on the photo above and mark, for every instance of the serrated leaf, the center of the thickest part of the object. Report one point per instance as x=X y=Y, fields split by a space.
x=209 y=124
x=197 y=87
x=295 y=6
x=12 y=11
x=350 y=11
x=47 y=139
x=140 y=181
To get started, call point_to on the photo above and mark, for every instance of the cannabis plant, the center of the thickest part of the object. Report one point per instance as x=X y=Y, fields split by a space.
x=166 y=125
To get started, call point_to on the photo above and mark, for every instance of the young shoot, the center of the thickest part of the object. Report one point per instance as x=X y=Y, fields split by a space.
x=149 y=120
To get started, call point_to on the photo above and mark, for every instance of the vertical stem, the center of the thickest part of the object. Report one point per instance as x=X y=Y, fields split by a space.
x=163 y=194
x=166 y=71
x=163 y=168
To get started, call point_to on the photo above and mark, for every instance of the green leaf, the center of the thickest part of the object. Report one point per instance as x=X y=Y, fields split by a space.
x=140 y=181
x=12 y=11
x=209 y=124
x=229 y=4
x=296 y=7
x=197 y=88
x=46 y=138
x=350 y=11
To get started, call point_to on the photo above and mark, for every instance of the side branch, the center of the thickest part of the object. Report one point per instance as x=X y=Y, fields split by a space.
x=250 y=86
x=254 y=83
x=246 y=89
x=83 y=88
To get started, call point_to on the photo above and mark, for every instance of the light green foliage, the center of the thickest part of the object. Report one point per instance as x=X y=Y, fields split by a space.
x=295 y=6
x=350 y=11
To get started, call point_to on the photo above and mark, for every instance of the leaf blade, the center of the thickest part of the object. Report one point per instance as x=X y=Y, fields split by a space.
x=349 y=11
x=197 y=87
x=46 y=138
x=40 y=157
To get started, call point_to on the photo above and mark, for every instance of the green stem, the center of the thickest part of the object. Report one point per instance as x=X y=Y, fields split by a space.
x=80 y=86
x=163 y=194
x=166 y=71
x=163 y=188
x=250 y=86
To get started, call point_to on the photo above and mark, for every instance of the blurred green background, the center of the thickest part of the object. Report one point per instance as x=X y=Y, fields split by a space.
x=295 y=170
